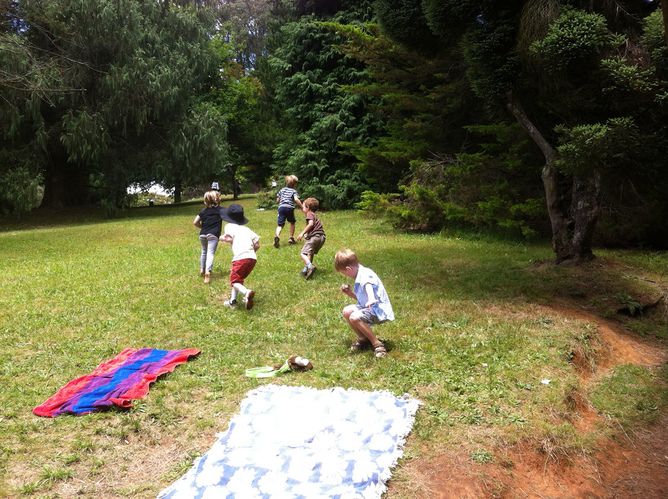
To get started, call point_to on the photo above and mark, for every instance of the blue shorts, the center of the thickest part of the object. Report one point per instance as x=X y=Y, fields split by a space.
x=286 y=212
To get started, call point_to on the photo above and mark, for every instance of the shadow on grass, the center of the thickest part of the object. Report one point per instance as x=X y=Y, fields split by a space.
x=42 y=218
x=504 y=271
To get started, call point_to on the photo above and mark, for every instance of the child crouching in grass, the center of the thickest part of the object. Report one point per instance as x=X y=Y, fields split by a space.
x=314 y=235
x=373 y=305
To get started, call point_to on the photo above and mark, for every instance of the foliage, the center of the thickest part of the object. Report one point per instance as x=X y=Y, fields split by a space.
x=655 y=44
x=21 y=191
x=266 y=200
x=424 y=104
x=440 y=192
x=574 y=40
x=110 y=90
x=310 y=72
x=580 y=78
x=585 y=148
x=405 y=20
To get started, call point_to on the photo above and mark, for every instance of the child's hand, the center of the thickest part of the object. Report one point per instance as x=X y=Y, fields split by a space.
x=345 y=288
x=299 y=237
x=226 y=238
x=370 y=303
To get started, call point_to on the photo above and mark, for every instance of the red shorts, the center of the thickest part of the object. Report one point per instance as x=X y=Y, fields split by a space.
x=241 y=269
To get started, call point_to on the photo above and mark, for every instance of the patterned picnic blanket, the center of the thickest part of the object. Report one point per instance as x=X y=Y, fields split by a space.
x=115 y=382
x=298 y=442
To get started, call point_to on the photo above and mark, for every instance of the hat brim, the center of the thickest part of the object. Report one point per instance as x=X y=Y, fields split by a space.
x=235 y=218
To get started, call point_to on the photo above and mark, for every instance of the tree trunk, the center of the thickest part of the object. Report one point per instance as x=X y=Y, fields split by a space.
x=559 y=219
x=178 y=189
x=65 y=184
x=585 y=209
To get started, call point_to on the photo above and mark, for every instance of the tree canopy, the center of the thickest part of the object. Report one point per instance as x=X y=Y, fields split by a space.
x=535 y=117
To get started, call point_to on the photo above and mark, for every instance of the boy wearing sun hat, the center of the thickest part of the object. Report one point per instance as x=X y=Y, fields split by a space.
x=244 y=243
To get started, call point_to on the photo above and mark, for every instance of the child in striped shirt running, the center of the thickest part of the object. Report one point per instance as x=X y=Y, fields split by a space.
x=286 y=199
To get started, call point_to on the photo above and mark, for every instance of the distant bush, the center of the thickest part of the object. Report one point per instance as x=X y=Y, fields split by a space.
x=495 y=187
x=266 y=200
x=21 y=192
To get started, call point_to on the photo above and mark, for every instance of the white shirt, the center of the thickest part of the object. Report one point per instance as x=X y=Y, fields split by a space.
x=382 y=308
x=242 y=241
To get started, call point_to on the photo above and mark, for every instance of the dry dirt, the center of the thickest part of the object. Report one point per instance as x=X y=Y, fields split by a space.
x=628 y=466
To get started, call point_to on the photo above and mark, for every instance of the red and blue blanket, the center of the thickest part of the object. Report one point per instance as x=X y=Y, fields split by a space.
x=115 y=382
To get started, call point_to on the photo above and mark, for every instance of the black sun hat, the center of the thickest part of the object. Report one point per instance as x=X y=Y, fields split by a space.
x=234 y=213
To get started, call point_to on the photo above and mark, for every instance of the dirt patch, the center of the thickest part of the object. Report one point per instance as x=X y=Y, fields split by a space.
x=622 y=346
x=627 y=466
x=635 y=466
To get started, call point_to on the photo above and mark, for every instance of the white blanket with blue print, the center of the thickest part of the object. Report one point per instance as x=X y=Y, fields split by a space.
x=297 y=442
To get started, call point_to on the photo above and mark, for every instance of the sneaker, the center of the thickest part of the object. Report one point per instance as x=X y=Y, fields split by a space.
x=304 y=270
x=230 y=303
x=201 y=273
x=249 y=299
x=309 y=272
x=207 y=278
x=277 y=241
x=292 y=241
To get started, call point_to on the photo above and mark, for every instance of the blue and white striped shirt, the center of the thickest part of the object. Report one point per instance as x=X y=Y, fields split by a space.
x=286 y=197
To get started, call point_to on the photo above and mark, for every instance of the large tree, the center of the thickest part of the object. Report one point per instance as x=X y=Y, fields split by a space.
x=575 y=76
x=310 y=74
x=103 y=93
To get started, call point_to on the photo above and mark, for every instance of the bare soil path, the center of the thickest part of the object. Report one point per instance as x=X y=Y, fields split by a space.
x=627 y=466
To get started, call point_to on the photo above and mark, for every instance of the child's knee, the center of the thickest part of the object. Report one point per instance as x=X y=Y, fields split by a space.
x=348 y=310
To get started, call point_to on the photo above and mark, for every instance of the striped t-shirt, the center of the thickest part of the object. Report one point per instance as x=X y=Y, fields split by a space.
x=286 y=197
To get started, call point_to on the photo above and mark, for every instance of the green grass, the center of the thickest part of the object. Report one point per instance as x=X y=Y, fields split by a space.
x=631 y=394
x=472 y=340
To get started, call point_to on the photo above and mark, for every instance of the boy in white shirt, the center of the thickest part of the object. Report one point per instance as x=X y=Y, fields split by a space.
x=373 y=305
x=244 y=243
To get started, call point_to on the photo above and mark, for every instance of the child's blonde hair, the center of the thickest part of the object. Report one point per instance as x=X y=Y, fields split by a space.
x=211 y=198
x=291 y=180
x=312 y=204
x=345 y=258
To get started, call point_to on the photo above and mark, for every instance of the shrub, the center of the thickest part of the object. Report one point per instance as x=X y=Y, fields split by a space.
x=266 y=200
x=21 y=192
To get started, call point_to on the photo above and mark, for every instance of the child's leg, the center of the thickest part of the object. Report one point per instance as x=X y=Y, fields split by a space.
x=211 y=251
x=280 y=222
x=202 y=256
x=240 y=270
x=361 y=328
x=306 y=258
x=292 y=230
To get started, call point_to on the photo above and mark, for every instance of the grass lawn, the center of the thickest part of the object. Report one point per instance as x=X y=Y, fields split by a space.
x=473 y=339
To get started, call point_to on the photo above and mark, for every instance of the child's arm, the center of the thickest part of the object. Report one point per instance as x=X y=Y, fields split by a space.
x=197 y=222
x=345 y=289
x=297 y=200
x=308 y=228
x=226 y=238
x=371 y=296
